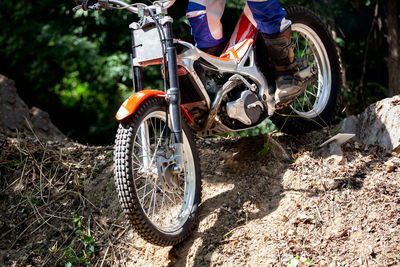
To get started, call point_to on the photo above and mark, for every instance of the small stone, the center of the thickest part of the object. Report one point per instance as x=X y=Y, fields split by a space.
x=291 y=232
x=303 y=218
x=390 y=168
x=272 y=262
x=339 y=234
x=284 y=218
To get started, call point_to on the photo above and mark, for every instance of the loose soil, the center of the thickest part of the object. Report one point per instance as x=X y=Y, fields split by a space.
x=258 y=209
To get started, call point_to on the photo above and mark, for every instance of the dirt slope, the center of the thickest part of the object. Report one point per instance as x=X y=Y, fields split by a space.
x=257 y=209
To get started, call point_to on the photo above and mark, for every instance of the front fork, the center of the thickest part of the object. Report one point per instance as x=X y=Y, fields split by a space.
x=173 y=98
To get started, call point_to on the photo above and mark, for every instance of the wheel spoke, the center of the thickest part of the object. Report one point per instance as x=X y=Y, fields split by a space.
x=311 y=93
x=143 y=202
x=162 y=205
x=166 y=194
x=166 y=210
x=151 y=201
x=156 y=149
x=311 y=50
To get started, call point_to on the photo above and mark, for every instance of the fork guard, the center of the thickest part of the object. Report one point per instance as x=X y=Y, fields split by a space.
x=133 y=102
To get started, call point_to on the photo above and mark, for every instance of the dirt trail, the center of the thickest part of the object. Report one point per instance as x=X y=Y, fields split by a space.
x=257 y=209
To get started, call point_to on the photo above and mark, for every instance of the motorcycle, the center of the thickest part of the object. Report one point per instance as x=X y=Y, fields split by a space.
x=156 y=163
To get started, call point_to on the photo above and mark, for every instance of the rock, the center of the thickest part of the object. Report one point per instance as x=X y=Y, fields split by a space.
x=335 y=154
x=332 y=154
x=303 y=218
x=392 y=164
x=349 y=125
x=379 y=124
x=332 y=184
x=12 y=109
x=276 y=148
x=271 y=262
x=15 y=116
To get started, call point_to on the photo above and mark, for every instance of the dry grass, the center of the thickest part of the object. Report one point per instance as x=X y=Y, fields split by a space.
x=256 y=210
x=43 y=194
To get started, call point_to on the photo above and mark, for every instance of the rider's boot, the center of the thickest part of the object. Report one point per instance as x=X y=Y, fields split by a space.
x=289 y=85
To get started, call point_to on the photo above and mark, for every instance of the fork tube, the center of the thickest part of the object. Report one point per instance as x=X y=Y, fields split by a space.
x=144 y=140
x=173 y=94
x=137 y=72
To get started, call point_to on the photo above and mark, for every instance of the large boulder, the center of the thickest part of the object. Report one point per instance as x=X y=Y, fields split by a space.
x=378 y=125
x=17 y=118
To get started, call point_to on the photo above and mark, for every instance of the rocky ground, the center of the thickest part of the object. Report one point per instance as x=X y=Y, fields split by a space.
x=259 y=207
x=269 y=200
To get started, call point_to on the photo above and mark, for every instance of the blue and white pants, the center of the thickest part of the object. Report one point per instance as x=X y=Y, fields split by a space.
x=205 y=15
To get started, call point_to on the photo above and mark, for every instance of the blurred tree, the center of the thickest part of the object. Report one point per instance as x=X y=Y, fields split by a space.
x=391 y=18
x=76 y=66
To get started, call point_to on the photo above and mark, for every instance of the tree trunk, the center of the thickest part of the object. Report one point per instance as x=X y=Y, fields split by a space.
x=392 y=8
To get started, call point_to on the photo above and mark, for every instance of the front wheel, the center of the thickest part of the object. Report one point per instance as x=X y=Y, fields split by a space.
x=313 y=44
x=161 y=204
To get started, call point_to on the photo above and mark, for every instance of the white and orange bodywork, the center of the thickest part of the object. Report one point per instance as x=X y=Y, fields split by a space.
x=133 y=102
x=243 y=37
x=237 y=58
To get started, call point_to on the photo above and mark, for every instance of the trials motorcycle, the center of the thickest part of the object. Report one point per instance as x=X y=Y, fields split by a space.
x=156 y=163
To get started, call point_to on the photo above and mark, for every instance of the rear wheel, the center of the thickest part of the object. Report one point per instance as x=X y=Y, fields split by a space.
x=313 y=44
x=162 y=205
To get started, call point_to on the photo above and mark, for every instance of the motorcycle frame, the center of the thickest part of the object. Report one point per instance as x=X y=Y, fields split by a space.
x=238 y=59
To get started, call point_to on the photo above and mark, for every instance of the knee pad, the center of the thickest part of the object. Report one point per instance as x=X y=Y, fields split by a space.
x=206 y=28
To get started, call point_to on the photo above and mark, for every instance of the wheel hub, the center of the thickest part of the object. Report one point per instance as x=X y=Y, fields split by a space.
x=167 y=170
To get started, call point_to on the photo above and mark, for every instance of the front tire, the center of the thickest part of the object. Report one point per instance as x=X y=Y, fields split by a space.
x=316 y=107
x=162 y=210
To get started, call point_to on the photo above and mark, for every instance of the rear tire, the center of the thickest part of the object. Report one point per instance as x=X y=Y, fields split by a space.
x=160 y=216
x=316 y=107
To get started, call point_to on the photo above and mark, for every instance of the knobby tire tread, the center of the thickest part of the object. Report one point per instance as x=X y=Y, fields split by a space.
x=126 y=189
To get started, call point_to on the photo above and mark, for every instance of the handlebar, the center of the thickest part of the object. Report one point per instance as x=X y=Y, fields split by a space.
x=125 y=5
x=104 y=4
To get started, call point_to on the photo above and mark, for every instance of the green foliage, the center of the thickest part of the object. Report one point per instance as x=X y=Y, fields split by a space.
x=77 y=67
x=35 y=202
x=14 y=164
x=265 y=127
x=296 y=261
x=264 y=151
x=80 y=249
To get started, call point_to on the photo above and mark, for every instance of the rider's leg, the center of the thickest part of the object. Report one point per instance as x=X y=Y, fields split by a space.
x=204 y=17
x=276 y=32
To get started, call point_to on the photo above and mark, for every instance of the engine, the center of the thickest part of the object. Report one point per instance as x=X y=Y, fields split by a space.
x=234 y=97
x=247 y=109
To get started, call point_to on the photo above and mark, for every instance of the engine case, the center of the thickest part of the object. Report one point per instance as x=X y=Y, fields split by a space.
x=247 y=109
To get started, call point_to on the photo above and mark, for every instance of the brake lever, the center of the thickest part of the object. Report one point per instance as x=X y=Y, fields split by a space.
x=76 y=8
x=96 y=6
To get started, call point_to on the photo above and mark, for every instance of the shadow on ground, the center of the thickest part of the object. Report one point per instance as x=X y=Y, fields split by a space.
x=241 y=183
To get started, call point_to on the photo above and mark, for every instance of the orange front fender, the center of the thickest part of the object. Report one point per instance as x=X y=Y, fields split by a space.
x=132 y=103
